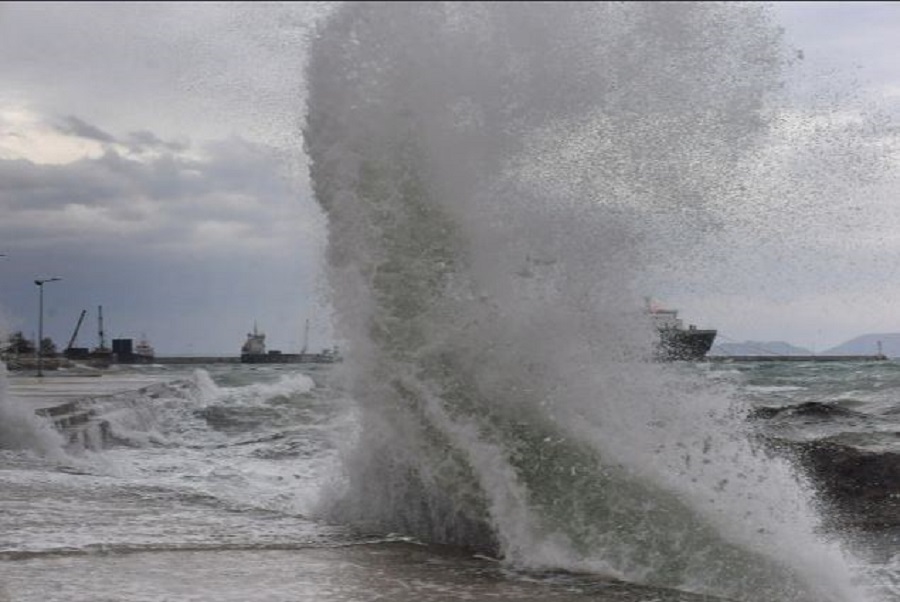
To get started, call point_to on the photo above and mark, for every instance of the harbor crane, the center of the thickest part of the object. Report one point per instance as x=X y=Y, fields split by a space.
x=77 y=327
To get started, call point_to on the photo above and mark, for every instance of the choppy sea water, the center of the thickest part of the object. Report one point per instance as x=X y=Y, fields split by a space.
x=210 y=485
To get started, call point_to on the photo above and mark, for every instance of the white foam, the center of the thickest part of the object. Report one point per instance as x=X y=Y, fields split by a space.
x=21 y=428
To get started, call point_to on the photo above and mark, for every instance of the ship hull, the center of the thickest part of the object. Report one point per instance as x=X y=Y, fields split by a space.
x=686 y=345
x=286 y=358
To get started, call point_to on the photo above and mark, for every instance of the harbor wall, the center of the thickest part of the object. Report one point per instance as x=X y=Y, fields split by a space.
x=796 y=358
x=197 y=360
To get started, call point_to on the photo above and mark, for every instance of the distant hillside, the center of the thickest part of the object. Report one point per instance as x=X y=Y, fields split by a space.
x=867 y=344
x=758 y=348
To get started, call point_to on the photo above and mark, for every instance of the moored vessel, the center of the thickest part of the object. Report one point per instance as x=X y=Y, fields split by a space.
x=144 y=350
x=253 y=351
x=677 y=342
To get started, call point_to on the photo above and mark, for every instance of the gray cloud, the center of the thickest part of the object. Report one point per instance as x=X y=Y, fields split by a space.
x=144 y=140
x=74 y=126
x=188 y=247
x=26 y=185
x=227 y=167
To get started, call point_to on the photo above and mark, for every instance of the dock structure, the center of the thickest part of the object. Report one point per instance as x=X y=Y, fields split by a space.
x=67 y=400
x=272 y=357
x=192 y=359
x=797 y=358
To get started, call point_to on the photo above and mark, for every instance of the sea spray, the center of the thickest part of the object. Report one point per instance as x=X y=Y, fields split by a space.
x=22 y=429
x=498 y=178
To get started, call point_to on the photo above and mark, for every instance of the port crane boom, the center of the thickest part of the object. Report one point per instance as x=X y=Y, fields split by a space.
x=77 y=326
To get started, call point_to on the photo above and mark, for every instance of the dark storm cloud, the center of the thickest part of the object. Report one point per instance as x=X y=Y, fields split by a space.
x=162 y=177
x=73 y=126
x=228 y=181
x=136 y=142
x=227 y=167
x=175 y=244
x=103 y=181
x=27 y=185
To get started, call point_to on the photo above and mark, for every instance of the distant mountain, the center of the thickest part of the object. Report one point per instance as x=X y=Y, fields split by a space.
x=759 y=348
x=867 y=344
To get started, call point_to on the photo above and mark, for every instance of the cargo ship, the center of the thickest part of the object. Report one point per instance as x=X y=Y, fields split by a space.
x=144 y=350
x=677 y=342
x=253 y=351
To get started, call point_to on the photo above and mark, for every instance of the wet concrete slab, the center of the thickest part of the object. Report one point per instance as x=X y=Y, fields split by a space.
x=67 y=398
x=52 y=390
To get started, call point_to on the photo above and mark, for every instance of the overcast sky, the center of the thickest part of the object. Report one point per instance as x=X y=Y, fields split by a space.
x=826 y=266
x=150 y=156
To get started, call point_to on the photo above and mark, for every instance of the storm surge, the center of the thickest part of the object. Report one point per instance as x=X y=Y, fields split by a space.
x=497 y=179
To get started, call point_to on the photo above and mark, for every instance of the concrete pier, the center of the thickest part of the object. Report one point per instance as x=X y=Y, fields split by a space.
x=191 y=360
x=796 y=358
x=66 y=398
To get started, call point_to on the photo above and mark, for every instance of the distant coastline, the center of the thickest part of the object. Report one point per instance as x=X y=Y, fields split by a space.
x=887 y=344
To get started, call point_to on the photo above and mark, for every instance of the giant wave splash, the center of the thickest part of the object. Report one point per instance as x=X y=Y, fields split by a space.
x=497 y=178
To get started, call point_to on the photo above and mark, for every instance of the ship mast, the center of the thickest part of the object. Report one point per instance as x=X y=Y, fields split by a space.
x=305 y=338
x=100 y=326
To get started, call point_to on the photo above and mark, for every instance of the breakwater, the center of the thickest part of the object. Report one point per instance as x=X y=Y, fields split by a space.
x=797 y=358
x=197 y=360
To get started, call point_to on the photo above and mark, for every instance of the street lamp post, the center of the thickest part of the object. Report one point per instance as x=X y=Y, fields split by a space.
x=40 y=349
